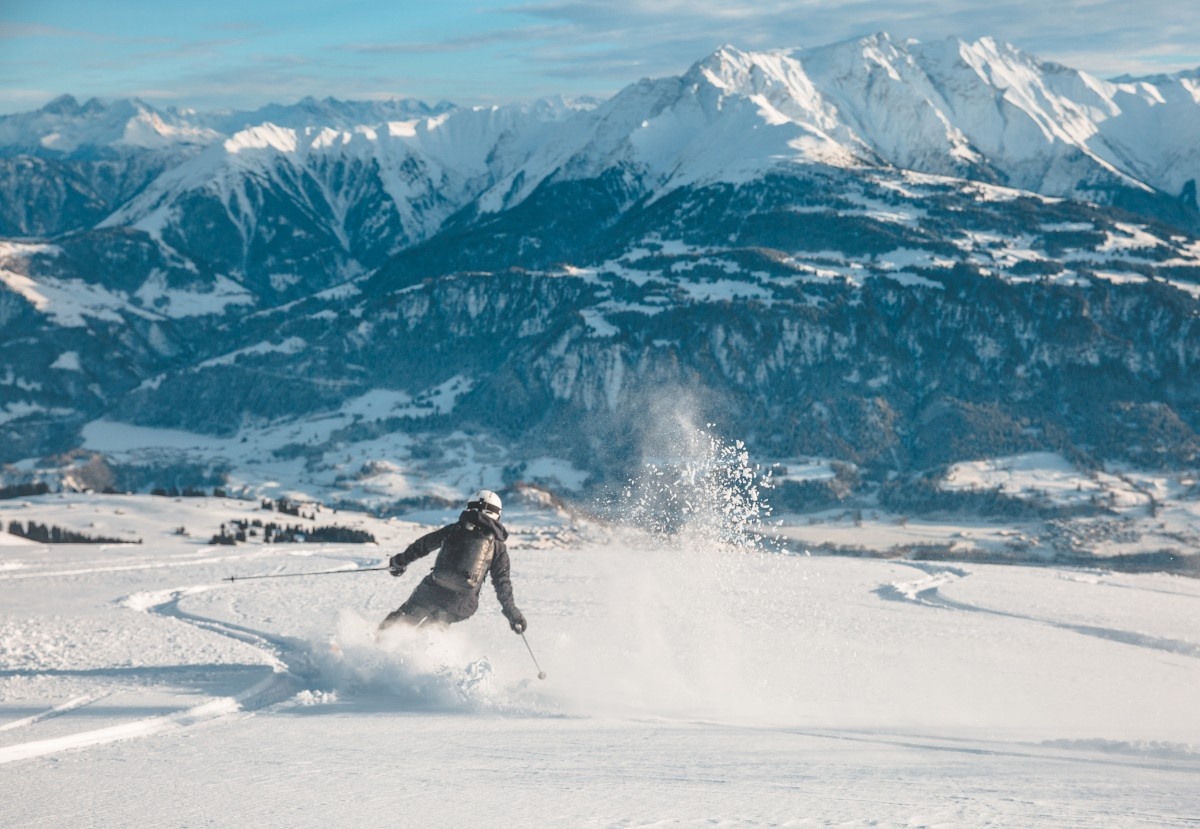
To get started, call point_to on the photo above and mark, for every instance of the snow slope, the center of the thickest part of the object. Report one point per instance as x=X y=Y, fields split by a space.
x=686 y=686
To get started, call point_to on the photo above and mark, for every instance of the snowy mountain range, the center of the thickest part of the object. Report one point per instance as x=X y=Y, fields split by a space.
x=892 y=254
x=980 y=110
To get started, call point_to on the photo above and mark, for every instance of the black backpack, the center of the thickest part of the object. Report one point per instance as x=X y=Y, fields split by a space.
x=465 y=557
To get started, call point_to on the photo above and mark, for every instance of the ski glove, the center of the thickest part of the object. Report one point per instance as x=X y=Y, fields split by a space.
x=516 y=621
x=396 y=566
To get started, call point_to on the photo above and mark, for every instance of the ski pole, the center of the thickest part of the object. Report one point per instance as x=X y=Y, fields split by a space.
x=541 y=673
x=287 y=575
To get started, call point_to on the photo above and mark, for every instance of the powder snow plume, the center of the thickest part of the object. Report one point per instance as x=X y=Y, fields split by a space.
x=705 y=493
x=677 y=587
x=418 y=669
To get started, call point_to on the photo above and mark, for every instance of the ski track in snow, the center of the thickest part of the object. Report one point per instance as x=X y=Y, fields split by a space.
x=279 y=683
x=166 y=603
x=923 y=591
x=299 y=672
x=213 y=709
x=315 y=669
x=927 y=592
x=69 y=705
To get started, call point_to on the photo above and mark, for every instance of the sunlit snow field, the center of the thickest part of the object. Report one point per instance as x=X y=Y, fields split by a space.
x=685 y=686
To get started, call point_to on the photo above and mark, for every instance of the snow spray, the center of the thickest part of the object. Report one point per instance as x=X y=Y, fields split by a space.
x=425 y=668
x=707 y=496
x=670 y=638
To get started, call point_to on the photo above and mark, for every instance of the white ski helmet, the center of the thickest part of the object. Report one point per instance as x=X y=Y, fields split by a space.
x=486 y=502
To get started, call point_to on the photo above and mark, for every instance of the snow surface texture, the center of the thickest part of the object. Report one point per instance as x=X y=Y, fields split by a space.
x=690 y=682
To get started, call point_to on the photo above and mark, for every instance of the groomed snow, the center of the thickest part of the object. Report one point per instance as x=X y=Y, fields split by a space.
x=685 y=686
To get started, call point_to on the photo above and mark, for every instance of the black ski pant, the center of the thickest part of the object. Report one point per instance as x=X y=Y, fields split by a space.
x=432 y=604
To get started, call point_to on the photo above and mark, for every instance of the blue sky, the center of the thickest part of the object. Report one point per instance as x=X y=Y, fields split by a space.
x=244 y=54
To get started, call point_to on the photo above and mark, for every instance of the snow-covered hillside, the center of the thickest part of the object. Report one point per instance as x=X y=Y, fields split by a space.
x=684 y=687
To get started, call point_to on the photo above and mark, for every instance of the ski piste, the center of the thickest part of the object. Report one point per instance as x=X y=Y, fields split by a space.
x=689 y=685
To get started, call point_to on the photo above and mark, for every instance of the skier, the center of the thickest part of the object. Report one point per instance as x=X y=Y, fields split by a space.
x=470 y=549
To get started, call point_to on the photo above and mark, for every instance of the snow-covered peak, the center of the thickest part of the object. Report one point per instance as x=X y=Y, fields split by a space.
x=966 y=107
x=327 y=112
x=980 y=109
x=65 y=127
x=775 y=74
x=421 y=164
x=262 y=137
x=731 y=117
x=62 y=105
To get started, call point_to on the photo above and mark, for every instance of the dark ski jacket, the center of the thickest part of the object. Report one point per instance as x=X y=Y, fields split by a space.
x=463 y=604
